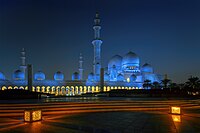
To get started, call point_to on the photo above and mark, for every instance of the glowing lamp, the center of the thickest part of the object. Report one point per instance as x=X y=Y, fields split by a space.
x=32 y=115
x=175 y=110
x=176 y=118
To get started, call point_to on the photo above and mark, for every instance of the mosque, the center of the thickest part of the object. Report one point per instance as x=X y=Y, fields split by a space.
x=122 y=72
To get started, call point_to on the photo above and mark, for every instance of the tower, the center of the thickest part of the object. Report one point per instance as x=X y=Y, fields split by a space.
x=81 y=66
x=23 y=61
x=97 y=47
x=30 y=77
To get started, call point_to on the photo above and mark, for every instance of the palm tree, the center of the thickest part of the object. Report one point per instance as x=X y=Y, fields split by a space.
x=165 y=82
x=181 y=86
x=147 y=84
x=156 y=85
x=193 y=82
x=173 y=85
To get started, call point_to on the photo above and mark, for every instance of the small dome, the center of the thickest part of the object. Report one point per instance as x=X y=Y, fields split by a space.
x=115 y=61
x=39 y=76
x=75 y=76
x=91 y=77
x=133 y=78
x=18 y=75
x=2 y=77
x=120 y=77
x=147 y=68
x=59 y=76
x=130 y=58
x=106 y=77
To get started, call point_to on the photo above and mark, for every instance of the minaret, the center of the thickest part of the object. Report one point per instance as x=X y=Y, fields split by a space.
x=23 y=61
x=97 y=47
x=81 y=66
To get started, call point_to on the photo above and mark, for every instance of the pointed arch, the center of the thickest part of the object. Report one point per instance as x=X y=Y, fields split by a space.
x=3 y=88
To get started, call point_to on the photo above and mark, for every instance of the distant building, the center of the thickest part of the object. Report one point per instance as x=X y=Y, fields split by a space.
x=122 y=72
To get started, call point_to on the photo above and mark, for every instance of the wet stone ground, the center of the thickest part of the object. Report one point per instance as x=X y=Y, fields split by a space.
x=109 y=122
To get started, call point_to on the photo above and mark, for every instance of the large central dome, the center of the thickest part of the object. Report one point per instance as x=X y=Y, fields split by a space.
x=115 y=61
x=130 y=58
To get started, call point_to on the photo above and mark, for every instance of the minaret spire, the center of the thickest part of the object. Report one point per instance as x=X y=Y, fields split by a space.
x=97 y=19
x=97 y=46
x=23 y=60
x=81 y=66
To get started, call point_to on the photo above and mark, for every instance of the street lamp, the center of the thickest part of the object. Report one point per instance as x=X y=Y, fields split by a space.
x=175 y=110
x=32 y=115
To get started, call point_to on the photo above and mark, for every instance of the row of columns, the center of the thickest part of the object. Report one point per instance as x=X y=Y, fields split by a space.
x=68 y=90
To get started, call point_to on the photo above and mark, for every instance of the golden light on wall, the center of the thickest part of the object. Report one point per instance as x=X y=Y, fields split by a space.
x=32 y=115
x=128 y=80
x=175 y=110
x=176 y=118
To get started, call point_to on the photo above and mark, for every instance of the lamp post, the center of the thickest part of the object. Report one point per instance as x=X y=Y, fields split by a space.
x=30 y=77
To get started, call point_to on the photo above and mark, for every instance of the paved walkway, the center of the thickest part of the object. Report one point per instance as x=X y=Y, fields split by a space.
x=108 y=122
x=135 y=116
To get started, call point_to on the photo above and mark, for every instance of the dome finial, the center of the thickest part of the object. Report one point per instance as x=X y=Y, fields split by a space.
x=97 y=19
x=97 y=14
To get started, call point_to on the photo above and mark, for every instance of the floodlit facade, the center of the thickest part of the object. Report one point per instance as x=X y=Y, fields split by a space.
x=122 y=72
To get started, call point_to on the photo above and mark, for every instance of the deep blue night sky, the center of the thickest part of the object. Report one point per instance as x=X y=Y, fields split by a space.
x=164 y=33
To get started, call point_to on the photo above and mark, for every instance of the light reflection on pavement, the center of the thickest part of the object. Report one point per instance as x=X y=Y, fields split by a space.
x=102 y=115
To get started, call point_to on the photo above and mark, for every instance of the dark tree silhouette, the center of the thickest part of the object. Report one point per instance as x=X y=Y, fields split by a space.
x=193 y=82
x=156 y=85
x=147 y=84
x=165 y=82
x=173 y=85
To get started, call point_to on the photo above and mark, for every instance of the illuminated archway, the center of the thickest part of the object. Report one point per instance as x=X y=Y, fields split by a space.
x=3 y=88
x=63 y=90
x=9 y=87
x=48 y=89
x=85 y=89
x=97 y=89
x=38 y=89
x=67 y=90
x=33 y=88
x=57 y=90
x=26 y=88
x=43 y=89
x=53 y=91
x=93 y=89
x=76 y=90
x=81 y=89
x=104 y=88
x=112 y=88
x=16 y=87
x=21 y=87
x=72 y=90
x=88 y=89
x=108 y=88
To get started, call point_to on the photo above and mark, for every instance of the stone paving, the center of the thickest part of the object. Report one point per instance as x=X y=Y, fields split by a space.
x=109 y=122
x=62 y=117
